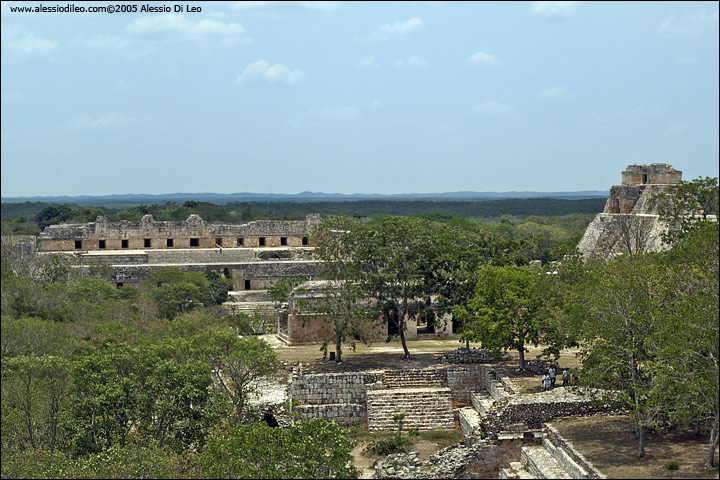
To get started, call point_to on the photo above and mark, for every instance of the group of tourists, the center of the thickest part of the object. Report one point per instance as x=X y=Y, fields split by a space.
x=550 y=376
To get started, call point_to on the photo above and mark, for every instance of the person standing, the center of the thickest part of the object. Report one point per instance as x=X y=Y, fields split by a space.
x=546 y=382
x=551 y=372
x=566 y=377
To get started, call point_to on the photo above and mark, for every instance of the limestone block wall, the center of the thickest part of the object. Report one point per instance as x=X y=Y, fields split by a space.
x=464 y=356
x=463 y=380
x=312 y=328
x=339 y=397
x=329 y=388
x=556 y=440
x=415 y=377
x=346 y=414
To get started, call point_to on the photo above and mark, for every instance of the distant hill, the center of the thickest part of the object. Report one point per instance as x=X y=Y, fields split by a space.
x=222 y=198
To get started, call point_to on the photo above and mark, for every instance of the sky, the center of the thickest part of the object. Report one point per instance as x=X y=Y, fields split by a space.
x=352 y=97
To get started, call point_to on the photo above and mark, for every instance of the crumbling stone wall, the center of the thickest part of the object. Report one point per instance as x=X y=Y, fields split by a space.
x=25 y=244
x=464 y=356
x=535 y=409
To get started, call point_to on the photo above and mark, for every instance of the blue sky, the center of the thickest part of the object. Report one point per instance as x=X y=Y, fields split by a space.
x=285 y=97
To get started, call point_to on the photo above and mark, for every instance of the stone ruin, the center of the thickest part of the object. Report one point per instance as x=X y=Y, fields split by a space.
x=505 y=432
x=630 y=222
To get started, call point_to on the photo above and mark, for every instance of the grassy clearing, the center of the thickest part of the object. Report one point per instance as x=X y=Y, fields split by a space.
x=610 y=444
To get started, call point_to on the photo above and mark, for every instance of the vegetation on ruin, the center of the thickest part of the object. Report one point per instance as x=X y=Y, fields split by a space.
x=154 y=382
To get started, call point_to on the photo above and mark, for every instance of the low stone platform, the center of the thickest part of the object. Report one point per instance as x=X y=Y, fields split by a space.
x=424 y=408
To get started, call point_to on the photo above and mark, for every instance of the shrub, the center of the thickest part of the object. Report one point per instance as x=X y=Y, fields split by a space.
x=672 y=465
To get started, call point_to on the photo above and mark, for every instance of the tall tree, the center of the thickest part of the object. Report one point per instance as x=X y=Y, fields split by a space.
x=686 y=372
x=341 y=301
x=507 y=309
x=393 y=257
x=617 y=334
x=236 y=363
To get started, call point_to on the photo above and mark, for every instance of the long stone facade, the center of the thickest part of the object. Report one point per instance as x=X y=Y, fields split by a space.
x=191 y=233
x=253 y=255
x=630 y=222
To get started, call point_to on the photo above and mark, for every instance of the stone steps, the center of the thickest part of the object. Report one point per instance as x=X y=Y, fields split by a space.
x=395 y=379
x=540 y=463
x=424 y=408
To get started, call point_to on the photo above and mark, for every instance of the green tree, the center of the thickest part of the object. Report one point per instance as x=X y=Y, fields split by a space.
x=341 y=300
x=309 y=449
x=392 y=257
x=682 y=207
x=686 y=371
x=236 y=363
x=507 y=309
x=177 y=406
x=218 y=287
x=617 y=333
x=108 y=384
x=34 y=390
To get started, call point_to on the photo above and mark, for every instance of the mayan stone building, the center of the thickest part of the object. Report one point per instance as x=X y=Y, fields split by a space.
x=630 y=222
x=253 y=255
x=191 y=233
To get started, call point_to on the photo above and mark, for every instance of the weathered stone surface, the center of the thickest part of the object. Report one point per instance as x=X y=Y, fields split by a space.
x=629 y=219
x=464 y=356
x=203 y=234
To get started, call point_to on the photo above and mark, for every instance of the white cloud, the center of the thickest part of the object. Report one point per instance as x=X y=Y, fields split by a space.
x=313 y=117
x=401 y=28
x=275 y=73
x=493 y=108
x=395 y=29
x=688 y=26
x=367 y=62
x=85 y=122
x=176 y=23
x=556 y=91
x=553 y=9
x=377 y=104
x=412 y=62
x=481 y=57
x=322 y=6
x=26 y=43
